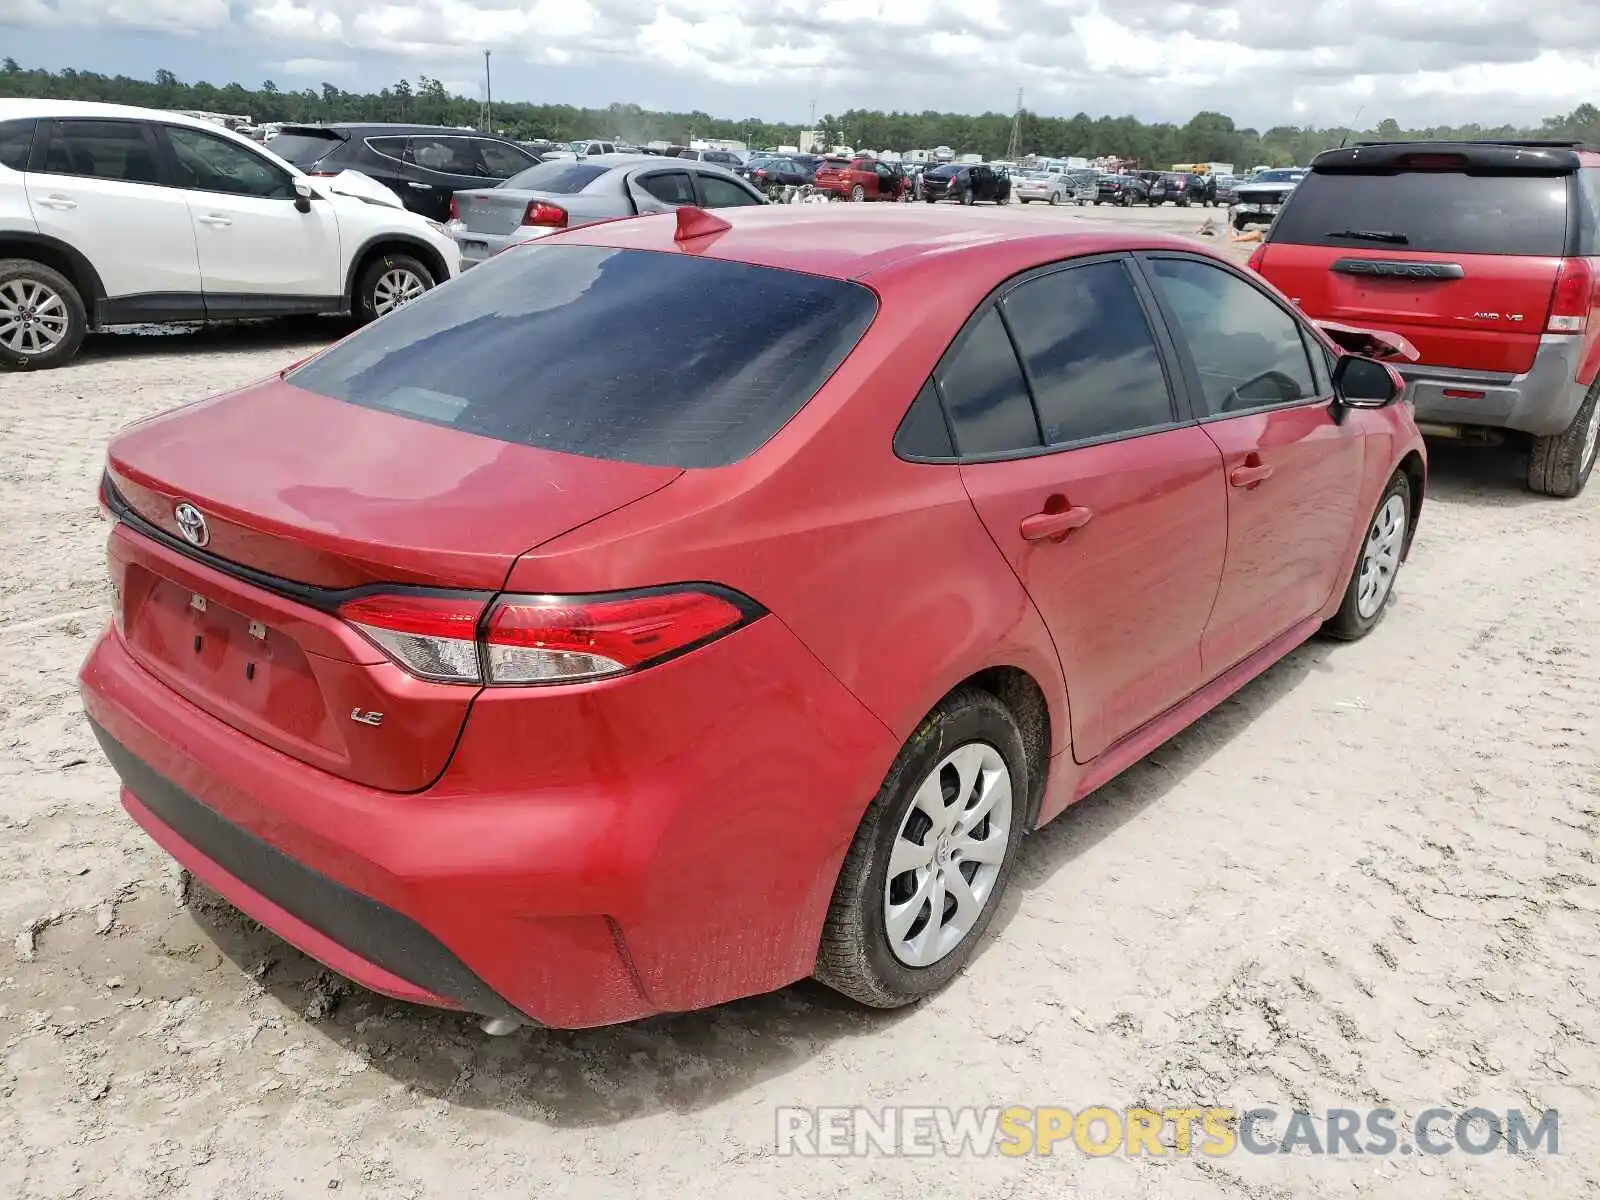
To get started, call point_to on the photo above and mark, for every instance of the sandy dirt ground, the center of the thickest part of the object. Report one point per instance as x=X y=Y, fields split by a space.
x=1369 y=879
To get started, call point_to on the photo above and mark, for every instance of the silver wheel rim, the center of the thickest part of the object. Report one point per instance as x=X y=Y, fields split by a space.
x=396 y=288
x=1591 y=440
x=947 y=855
x=1380 y=557
x=33 y=317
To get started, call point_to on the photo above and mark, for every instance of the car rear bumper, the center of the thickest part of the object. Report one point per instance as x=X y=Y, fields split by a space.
x=673 y=860
x=1542 y=400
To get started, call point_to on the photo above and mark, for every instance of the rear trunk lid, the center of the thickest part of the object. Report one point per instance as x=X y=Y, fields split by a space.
x=494 y=211
x=302 y=497
x=1456 y=248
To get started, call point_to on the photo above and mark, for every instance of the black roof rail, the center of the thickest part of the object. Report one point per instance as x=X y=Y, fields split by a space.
x=1531 y=143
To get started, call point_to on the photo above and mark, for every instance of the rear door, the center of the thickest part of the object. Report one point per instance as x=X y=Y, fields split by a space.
x=1460 y=261
x=99 y=187
x=1294 y=473
x=1108 y=504
x=442 y=164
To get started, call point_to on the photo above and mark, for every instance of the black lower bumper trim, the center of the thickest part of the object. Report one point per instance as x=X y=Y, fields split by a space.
x=360 y=924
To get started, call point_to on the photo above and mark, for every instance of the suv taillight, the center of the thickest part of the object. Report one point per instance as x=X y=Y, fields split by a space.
x=521 y=640
x=550 y=216
x=1572 y=297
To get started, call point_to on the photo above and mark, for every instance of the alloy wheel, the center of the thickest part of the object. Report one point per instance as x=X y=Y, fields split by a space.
x=948 y=854
x=396 y=288
x=1591 y=442
x=33 y=317
x=1380 y=557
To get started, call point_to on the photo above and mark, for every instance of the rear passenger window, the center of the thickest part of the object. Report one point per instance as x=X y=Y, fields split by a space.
x=501 y=161
x=923 y=432
x=724 y=193
x=670 y=187
x=16 y=142
x=985 y=393
x=1248 y=351
x=115 y=150
x=389 y=147
x=1090 y=354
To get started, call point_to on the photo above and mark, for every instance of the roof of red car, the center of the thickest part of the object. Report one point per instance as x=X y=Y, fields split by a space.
x=849 y=241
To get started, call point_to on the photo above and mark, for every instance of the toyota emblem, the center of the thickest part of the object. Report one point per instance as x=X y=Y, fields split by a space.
x=192 y=524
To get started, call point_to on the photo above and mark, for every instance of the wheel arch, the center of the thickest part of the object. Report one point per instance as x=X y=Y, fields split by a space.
x=392 y=243
x=58 y=256
x=1416 y=473
x=1020 y=692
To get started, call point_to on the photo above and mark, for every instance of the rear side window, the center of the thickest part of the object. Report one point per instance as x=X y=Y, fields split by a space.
x=628 y=355
x=1441 y=212
x=564 y=177
x=304 y=148
x=1090 y=354
x=502 y=161
x=724 y=193
x=985 y=393
x=670 y=187
x=16 y=143
x=389 y=147
x=118 y=150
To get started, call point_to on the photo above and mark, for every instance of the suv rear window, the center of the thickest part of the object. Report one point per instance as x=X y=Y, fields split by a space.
x=564 y=177
x=628 y=355
x=1444 y=212
x=303 y=147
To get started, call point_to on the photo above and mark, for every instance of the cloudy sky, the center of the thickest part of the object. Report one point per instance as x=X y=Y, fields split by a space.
x=1264 y=62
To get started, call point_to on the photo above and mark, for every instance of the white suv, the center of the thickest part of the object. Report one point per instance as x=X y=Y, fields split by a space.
x=113 y=215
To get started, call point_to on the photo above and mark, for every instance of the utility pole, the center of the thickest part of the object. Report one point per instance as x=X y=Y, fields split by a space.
x=488 y=97
x=1014 y=150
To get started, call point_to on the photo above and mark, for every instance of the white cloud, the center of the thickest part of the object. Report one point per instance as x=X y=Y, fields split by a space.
x=323 y=68
x=1422 y=61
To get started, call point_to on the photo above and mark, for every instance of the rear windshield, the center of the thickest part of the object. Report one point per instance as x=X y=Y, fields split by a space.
x=1447 y=212
x=628 y=355
x=304 y=147
x=563 y=177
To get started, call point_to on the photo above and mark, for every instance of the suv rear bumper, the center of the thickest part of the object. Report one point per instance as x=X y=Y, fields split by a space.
x=1543 y=400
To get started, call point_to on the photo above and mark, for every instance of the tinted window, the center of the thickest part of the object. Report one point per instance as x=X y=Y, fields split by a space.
x=207 y=163
x=447 y=155
x=1588 y=197
x=1090 y=354
x=630 y=355
x=724 y=193
x=101 y=150
x=565 y=177
x=1438 y=211
x=306 y=147
x=16 y=141
x=501 y=161
x=985 y=393
x=1248 y=351
x=670 y=187
x=923 y=432
x=389 y=147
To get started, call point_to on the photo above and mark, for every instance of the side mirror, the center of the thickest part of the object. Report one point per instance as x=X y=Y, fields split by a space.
x=1366 y=382
x=302 y=195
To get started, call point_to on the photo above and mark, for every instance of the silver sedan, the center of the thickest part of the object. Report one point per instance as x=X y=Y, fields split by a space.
x=563 y=195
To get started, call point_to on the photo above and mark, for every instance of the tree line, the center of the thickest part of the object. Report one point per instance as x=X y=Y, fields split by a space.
x=1206 y=137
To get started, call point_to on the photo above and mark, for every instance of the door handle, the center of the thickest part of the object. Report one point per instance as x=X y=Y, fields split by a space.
x=214 y=219
x=61 y=202
x=1044 y=526
x=1250 y=472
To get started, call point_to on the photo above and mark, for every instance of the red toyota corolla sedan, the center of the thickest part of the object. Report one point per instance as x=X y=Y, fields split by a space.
x=679 y=607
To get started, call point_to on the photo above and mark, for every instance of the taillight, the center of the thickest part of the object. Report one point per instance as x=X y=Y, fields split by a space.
x=1257 y=257
x=544 y=639
x=455 y=211
x=1572 y=297
x=546 y=215
x=434 y=637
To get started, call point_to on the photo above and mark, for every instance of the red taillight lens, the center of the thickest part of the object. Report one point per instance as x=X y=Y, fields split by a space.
x=547 y=215
x=543 y=639
x=1257 y=257
x=434 y=637
x=455 y=210
x=554 y=639
x=1572 y=297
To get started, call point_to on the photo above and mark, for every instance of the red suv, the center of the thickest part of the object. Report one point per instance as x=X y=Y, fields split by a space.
x=1486 y=256
x=566 y=652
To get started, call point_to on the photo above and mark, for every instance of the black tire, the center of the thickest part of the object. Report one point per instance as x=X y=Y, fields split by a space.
x=930 y=199
x=25 y=271
x=1097 y=203
x=855 y=957
x=858 y=194
x=1183 y=204
x=1127 y=202
x=1348 y=624
x=1022 y=199
x=1562 y=463
x=365 y=306
x=1055 y=199
x=968 y=198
